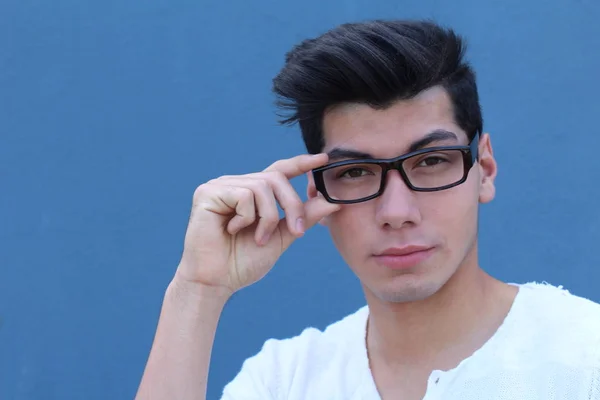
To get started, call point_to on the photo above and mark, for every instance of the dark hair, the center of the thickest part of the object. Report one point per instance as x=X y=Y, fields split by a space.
x=377 y=63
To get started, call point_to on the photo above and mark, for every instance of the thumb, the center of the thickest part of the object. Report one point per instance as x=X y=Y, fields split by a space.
x=315 y=209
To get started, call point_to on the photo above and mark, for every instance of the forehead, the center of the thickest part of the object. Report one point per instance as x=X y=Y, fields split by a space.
x=390 y=131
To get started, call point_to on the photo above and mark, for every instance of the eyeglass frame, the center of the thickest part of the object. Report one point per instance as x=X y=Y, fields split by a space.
x=470 y=155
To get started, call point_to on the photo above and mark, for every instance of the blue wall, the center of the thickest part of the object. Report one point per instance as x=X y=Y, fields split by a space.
x=112 y=112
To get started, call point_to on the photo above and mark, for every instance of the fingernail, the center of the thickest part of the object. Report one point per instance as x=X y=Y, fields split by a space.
x=300 y=225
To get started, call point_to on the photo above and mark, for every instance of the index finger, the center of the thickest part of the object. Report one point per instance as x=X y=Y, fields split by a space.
x=299 y=165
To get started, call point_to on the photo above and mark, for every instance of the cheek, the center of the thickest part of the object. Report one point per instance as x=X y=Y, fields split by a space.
x=453 y=215
x=349 y=227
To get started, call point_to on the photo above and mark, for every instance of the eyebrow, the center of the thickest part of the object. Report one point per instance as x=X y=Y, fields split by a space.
x=438 y=135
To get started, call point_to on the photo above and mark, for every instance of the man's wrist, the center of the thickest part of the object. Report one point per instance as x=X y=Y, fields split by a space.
x=196 y=293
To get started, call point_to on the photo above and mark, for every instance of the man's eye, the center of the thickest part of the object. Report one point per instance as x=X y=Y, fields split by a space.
x=354 y=173
x=431 y=161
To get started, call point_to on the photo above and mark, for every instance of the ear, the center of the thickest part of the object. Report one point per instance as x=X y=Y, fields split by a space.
x=488 y=169
x=312 y=192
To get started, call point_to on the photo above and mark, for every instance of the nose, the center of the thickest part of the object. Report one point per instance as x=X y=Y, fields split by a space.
x=397 y=206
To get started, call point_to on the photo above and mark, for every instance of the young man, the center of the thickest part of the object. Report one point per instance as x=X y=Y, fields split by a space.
x=389 y=111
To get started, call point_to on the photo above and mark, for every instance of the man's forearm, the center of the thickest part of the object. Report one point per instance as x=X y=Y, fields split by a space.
x=178 y=363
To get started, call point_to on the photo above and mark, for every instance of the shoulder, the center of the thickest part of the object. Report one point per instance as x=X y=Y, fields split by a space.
x=313 y=343
x=557 y=307
x=284 y=366
x=565 y=324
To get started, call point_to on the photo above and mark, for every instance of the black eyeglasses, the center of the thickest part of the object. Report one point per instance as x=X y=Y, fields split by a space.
x=426 y=170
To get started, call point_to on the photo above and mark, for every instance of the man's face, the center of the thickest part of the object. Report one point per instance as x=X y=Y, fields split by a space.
x=444 y=222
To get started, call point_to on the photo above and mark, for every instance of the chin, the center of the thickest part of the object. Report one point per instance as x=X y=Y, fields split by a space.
x=405 y=289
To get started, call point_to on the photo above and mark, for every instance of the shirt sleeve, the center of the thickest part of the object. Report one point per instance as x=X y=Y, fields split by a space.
x=260 y=377
x=278 y=372
x=595 y=386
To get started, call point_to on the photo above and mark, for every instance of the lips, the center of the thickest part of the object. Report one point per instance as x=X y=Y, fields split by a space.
x=403 y=257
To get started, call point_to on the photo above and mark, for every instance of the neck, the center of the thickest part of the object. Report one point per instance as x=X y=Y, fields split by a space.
x=443 y=329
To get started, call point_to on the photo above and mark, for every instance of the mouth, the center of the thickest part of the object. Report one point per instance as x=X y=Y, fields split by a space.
x=399 y=258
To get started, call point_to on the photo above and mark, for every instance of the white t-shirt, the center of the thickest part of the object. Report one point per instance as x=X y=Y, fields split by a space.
x=548 y=347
